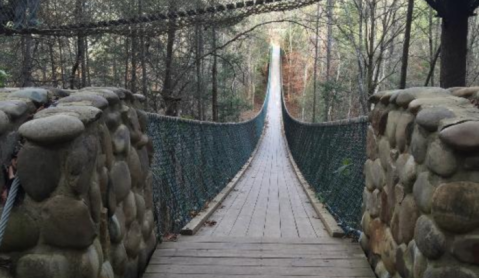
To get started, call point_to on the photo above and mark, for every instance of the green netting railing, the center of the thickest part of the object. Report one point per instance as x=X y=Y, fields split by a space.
x=194 y=161
x=331 y=158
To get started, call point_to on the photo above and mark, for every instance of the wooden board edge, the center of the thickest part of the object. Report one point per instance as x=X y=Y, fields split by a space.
x=198 y=221
x=329 y=222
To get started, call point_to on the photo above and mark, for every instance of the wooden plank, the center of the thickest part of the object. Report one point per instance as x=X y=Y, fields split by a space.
x=169 y=275
x=303 y=262
x=259 y=270
x=307 y=241
x=258 y=246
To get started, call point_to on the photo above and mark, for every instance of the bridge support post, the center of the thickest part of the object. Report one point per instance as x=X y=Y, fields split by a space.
x=85 y=208
x=421 y=200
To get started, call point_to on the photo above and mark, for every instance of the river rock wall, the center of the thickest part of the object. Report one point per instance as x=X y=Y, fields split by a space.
x=85 y=204
x=421 y=201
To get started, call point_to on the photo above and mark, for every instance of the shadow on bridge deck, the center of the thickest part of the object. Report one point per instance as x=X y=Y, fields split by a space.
x=266 y=227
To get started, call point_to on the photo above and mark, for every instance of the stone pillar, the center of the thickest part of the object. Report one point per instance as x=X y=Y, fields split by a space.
x=421 y=201
x=83 y=163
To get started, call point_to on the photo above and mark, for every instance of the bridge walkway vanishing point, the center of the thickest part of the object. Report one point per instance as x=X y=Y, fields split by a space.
x=266 y=227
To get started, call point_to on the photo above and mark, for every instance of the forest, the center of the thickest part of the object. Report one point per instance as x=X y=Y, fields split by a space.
x=337 y=53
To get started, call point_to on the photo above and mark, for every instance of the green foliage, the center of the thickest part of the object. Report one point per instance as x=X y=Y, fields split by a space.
x=345 y=167
x=3 y=78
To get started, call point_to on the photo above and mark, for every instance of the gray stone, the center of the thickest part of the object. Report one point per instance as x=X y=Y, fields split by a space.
x=463 y=136
x=419 y=145
x=368 y=173
x=404 y=130
x=87 y=99
x=404 y=220
x=379 y=118
x=430 y=118
x=52 y=130
x=136 y=171
x=42 y=266
x=37 y=95
x=106 y=146
x=96 y=203
x=364 y=242
x=455 y=207
x=4 y=122
x=86 y=114
x=429 y=238
x=471 y=162
x=81 y=163
x=121 y=140
x=132 y=268
x=129 y=208
x=90 y=265
x=384 y=152
x=67 y=223
x=408 y=174
x=131 y=118
x=420 y=264
x=139 y=97
x=106 y=93
x=140 y=207
x=145 y=159
x=118 y=259
x=393 y=120
x=115 y=230
x=107 y=271
x=148 y=224
x=143 y=120
x=39 y=170
x=406 y=96
x=374 y=203
x=378 y=176
x=388 y=203
x=366 y=223
x=133 y=240
x=403 y=261
x=449 y=272
x=440 y=159
x=466 y=248
x=5 y=273
x=22 y=232
x=113 y=120
x=120 y=180
x=381 y=271
x=14 y=108
x=423 y=192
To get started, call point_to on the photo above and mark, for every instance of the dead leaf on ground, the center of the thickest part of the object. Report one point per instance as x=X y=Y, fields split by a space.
x=170 y=238
x=211 y=223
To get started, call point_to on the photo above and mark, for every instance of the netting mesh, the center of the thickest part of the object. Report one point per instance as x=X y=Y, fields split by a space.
x=331 y=158
x=194 y=161
x=151 y=17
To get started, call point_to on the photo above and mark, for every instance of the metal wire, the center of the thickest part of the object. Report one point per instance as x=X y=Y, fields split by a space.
x=96 y=17
x=7 y=209
x=331 y=157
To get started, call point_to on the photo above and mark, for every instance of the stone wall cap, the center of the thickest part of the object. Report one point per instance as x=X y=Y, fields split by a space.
x=54 y=129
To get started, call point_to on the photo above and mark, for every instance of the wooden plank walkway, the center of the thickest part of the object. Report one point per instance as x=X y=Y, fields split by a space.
x=265 y=227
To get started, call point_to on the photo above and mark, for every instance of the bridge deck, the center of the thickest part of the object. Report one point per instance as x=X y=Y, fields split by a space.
x=266 y=227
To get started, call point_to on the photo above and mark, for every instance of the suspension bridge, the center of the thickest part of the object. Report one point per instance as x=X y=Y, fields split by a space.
x=266 y=226
x=269 y=197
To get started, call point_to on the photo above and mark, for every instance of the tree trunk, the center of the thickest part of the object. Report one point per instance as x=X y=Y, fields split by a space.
x=214 y=76
x=454 y=43
x=78 y=60
x=134 y=64
x=170 y=102
x=27 y=64
x=329 y=46
x=407 y=43
x=52 y=63
x=316 y=54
